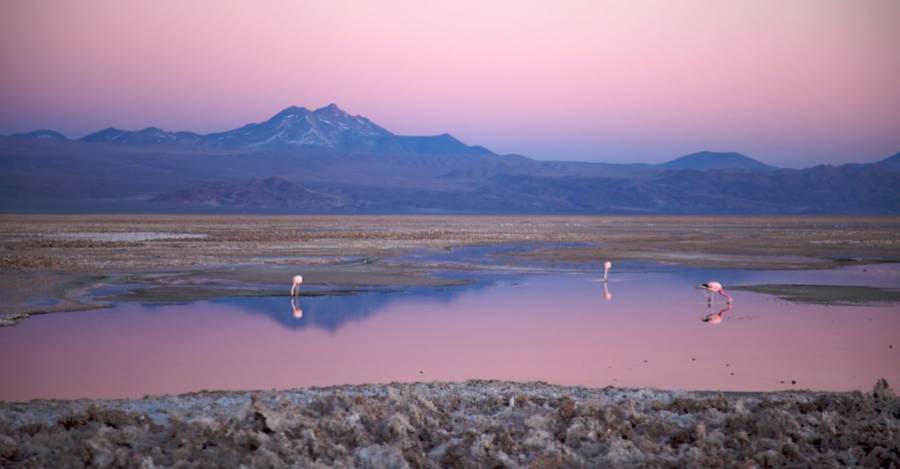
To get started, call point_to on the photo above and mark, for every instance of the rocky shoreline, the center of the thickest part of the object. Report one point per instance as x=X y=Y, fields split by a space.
x=471 y=424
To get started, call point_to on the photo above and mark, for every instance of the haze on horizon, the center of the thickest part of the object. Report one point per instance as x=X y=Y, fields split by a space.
x=788 y=83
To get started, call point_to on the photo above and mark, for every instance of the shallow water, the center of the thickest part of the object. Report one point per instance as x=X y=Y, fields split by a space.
x=645 y=329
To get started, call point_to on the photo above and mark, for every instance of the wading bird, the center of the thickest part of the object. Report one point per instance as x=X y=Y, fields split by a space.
x=606 y=266
x=295 y=288
x=712 y=288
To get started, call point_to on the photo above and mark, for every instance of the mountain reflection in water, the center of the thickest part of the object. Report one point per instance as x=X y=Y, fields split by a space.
x=562 y=328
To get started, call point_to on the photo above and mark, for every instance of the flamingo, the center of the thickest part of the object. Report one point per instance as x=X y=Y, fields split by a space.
x=607 y=295
x=714 y=287
x=716 y=318
x=295 y=288
x=297 y=312
x=606 y=266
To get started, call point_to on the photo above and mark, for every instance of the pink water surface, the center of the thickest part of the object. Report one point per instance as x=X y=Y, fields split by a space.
x=559 y=329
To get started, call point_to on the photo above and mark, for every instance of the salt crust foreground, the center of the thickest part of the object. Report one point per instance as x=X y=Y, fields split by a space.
x=471 y=424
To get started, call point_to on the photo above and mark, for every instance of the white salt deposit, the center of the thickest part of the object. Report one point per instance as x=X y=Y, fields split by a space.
x=130 y=236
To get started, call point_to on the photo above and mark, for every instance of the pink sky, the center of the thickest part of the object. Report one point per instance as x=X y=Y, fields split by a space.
x=790 y=83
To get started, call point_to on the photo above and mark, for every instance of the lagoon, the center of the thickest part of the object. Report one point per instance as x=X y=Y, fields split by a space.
x=645 y=328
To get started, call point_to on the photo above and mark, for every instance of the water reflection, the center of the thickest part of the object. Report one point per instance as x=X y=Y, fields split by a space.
x=334 y=312
x=525 y=329
x=607 y=295
x=716 y=318
x=295 y=310
x=324 y=312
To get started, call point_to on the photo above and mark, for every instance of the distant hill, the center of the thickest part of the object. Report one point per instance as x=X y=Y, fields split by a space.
x=271 y=192
x=329 y=161
x=148 y=136
x=892 y=162
x=41 y=134
x=713 y=160
x=816 y=191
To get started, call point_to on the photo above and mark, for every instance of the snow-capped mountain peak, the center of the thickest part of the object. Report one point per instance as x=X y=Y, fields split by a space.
x=328 y=127
x=294 y=127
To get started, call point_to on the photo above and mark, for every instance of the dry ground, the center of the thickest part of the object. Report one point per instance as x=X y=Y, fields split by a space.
x=33 y=242
x=472 y=424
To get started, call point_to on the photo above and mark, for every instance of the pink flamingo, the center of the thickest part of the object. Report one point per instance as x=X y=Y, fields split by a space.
x=295 y=288
x=714 y=287
x=606 y=266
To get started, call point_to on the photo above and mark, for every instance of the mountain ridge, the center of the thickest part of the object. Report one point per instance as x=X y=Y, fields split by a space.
x=331 y=128
x=891 y=162
x=328 y=127
x=328 y=161
x=41 y=134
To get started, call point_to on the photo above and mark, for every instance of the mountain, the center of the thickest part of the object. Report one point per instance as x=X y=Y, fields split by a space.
x=41 y=134
x=328 y=161
x=272 y=192
x=148 y=136
x=891 y=163
x=714 y=160
x=327 y=128
x=820 y=190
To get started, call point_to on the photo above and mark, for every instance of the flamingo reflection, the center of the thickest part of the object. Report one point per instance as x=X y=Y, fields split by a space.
x=607 y=295
x=297 y=312
x=716 y=318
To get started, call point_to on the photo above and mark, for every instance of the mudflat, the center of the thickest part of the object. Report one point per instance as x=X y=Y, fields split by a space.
x=827 y=294
x=50 y=262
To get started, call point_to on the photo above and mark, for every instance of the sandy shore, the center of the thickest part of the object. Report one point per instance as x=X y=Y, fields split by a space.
x=472 y=424
x=49 y=263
